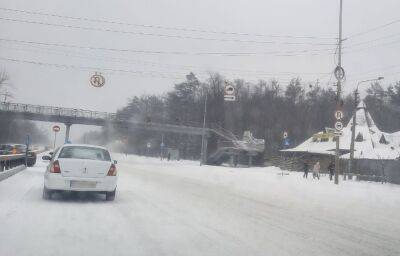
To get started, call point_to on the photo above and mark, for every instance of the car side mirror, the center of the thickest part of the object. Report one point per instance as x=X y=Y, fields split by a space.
x=115 y=162
x=51 y=153
x=47 y=158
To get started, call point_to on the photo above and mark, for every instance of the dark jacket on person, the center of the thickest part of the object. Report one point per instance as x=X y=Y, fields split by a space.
x=305 y=167
x=331 y=168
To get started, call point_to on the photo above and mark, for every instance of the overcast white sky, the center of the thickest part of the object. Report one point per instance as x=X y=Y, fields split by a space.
x=309 y=58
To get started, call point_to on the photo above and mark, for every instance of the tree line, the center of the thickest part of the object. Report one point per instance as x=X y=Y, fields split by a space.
x=266 y=108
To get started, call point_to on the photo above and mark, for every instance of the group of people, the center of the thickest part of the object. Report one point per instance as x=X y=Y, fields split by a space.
x=317 y=169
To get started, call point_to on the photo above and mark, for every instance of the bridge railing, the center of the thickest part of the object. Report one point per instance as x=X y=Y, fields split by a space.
x=56 y=111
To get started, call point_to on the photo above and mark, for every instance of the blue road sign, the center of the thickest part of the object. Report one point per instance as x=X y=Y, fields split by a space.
x=286 y=142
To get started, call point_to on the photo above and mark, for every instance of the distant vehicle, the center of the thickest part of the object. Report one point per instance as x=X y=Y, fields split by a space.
x=79 y=167
x=5 y=149
x=12 y=149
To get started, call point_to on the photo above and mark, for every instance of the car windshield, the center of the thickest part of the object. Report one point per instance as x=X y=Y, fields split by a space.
x=85 y=153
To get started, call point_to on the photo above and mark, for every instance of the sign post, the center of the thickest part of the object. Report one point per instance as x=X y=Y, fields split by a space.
x=229 y=92
x=27 y=142
x=148 y=148
x=162 y=150
x=56 y=129
x=338 y=133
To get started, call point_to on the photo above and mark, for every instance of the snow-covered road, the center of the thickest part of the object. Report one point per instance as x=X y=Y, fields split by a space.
x=169 y=208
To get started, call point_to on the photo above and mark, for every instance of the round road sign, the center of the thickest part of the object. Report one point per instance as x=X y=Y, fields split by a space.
x=148 y=145
x=339 y=126
x=229 y=90
x=56 y=128
x=285 y=135
x=97 y=80
x=338 y=115
x=339 y=73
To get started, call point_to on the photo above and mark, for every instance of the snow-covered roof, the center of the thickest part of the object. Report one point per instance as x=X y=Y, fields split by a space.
x=370 y=142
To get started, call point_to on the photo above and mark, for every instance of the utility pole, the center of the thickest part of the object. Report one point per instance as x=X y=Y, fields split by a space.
x=55 y=139
x=339 y=73
x=203 y=136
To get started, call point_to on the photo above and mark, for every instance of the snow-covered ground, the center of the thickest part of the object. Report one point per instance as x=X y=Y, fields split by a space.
x=181 y=208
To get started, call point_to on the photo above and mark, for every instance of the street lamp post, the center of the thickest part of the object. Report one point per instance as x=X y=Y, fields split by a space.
x=203 y=136
x=353 y=126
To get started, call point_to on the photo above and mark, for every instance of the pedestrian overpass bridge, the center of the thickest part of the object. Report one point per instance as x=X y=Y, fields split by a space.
x=70 y=116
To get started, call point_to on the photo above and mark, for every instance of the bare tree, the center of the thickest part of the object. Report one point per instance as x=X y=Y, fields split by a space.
x=4 y=93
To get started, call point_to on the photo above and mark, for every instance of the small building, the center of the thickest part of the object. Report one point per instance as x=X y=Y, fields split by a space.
x=376 y=153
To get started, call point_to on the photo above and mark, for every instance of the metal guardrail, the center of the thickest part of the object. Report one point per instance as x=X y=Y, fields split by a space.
x=10 y=161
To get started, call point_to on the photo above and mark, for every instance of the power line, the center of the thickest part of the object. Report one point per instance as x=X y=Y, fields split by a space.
x=87 y=68
x=110 y=70
x=373 y=40
x=231 y=54
x=371 y=46
x=187 y=67
x=157 y=34
x=160 y=27
x=374 y=29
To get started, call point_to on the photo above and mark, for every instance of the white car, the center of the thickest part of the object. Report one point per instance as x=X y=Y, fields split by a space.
x=76 y=167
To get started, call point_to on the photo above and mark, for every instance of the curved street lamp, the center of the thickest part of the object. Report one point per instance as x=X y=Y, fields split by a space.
x=353 y=126
x=369 y=80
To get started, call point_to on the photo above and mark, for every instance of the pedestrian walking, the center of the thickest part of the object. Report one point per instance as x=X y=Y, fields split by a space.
x=305 y=170
x=331 y=169
x=169 y=156
x=316 y=169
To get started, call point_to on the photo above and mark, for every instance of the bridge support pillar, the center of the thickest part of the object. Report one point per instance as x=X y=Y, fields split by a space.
x=250 y=160
x=205 y=150
x=204 y=142
x=67 y=130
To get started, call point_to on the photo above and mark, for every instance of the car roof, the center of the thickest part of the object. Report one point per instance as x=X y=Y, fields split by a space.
x=12 y=144
x=83 y=145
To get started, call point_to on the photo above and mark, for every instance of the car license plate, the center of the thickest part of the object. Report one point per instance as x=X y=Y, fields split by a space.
x=82 y=184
